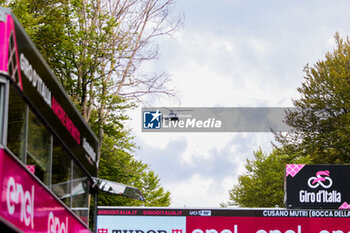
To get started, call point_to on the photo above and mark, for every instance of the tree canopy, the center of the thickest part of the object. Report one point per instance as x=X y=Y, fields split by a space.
x=321 y=122
x=320 y=131
x=262 y=184
x=95 y=48
x=117 y=163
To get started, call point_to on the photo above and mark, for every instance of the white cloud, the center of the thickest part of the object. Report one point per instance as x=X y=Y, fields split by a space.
x=227 y=70
x=212 y=160
x=199 y=191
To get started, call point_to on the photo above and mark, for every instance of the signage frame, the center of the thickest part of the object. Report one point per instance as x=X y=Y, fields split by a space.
x=317 y=186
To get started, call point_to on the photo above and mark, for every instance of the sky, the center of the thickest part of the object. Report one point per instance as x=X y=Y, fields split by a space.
x=231 y=53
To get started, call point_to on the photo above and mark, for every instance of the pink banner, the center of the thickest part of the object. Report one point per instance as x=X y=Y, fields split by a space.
x=200 y=224
x=28 y=205
x=5 y=30
x=9 y=59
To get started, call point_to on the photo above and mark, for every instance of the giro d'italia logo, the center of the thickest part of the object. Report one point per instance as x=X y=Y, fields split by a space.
x=152 y=119
x=322 y=179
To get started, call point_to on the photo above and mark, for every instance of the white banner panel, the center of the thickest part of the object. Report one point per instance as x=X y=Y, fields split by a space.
x=141 y=224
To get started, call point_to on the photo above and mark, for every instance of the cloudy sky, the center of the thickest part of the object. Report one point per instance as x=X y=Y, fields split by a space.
x=232 y=53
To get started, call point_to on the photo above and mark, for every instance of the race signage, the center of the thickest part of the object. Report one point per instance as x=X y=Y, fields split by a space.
x=317 y=186
x=224 y=220
x=28 y=205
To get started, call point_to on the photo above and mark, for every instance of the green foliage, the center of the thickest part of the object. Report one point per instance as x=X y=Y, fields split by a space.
x=120 y=166
x=321 y=122
x=91 y=53
x=262 y=183
x=44 y=22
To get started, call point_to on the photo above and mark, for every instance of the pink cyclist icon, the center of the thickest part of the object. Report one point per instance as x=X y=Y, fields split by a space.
x=322 y=178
